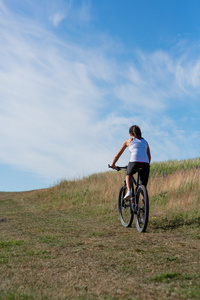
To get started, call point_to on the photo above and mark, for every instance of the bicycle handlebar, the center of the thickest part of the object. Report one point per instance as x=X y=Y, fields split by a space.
x=118 y=168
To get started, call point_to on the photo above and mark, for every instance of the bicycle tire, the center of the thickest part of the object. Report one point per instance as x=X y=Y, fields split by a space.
x=124 y=209
x=142 y=211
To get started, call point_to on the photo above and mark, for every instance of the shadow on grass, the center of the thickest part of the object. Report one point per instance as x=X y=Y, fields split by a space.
x=173 y=223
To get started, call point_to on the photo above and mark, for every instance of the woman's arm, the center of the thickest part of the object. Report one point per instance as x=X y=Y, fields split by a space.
x=149 y=153
x=119 y=153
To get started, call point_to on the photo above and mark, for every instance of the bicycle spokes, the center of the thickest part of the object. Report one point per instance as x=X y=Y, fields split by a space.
x=142 y=213
x=124 y=209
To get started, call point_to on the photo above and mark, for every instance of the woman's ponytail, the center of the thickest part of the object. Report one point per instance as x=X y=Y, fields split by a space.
x=135 y=131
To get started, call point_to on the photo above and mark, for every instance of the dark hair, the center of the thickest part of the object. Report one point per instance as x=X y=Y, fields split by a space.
x=135 y=131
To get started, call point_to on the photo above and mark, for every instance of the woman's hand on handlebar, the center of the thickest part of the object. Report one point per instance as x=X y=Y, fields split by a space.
x=113 y=166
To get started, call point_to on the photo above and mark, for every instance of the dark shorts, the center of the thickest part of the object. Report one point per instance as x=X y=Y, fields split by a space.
x=144 y=174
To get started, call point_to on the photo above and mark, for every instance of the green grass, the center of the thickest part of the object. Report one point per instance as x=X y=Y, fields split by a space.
x=67 y=242
x=166 y=277
x=171 y=166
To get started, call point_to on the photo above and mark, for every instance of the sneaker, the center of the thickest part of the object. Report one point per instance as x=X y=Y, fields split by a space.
x=128 y=195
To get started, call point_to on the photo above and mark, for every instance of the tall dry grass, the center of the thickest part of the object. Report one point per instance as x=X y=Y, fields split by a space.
x=183 y=187
x=172 y=195
x=176 y=196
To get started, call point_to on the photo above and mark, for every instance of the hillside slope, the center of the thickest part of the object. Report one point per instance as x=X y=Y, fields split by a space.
x=66 y=242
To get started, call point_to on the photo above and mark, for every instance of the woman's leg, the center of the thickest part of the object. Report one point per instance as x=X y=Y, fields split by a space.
x=129 y=187
x=129 y=182
x=144 y=175
x=130 y=171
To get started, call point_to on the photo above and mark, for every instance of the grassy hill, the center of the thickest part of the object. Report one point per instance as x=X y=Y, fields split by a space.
x=67 y=242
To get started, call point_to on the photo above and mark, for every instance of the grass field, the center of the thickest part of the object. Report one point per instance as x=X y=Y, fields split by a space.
x=67 y=242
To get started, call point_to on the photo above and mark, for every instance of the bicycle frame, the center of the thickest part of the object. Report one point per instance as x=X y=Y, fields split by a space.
x=136 y=183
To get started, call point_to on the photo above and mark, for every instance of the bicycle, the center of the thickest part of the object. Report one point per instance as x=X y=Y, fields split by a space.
x=137 y=205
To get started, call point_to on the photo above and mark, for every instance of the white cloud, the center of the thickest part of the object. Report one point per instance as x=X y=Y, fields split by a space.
x=84 y=13
x=73 y=15
x=48 y=103
x=2 y=7
x=57 y=18
x=188 y=76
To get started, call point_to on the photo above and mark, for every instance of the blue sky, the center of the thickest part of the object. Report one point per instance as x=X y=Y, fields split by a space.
x=76 y=74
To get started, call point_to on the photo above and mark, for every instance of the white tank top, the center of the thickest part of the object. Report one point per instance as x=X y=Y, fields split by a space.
x=138 y=150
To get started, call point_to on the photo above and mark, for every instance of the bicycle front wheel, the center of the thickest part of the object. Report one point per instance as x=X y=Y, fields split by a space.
x=142 y=210
x=124 y=208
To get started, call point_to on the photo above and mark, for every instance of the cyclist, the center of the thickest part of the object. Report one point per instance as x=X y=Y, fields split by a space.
x=140 y=158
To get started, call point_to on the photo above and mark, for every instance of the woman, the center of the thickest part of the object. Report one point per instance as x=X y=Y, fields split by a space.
x=140 y=158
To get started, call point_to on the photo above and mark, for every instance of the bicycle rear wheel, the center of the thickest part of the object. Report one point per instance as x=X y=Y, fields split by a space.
x=142 y=211
x=124 y=208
